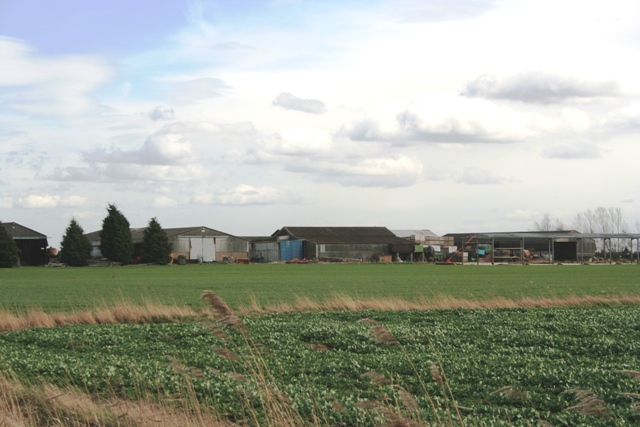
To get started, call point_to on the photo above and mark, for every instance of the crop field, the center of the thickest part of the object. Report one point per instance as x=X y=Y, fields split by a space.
x=440 y=367
x=229 y=365
x=61 y=289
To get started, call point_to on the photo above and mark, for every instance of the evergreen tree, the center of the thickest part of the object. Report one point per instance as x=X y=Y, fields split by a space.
x=75 y=248
x=8 y=249
x=156 y=246
x=116 y=243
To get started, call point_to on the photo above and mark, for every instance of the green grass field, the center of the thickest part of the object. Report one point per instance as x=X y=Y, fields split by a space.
x=61 y=289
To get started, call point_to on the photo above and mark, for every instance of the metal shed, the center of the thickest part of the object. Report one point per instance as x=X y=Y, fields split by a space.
x=32 y=245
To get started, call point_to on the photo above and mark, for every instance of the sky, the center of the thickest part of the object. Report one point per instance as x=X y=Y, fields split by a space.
x=247 y=116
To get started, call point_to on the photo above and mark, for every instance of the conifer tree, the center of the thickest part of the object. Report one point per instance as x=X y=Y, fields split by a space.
x=116 y=243
x=156 y=246
x=75 y=248
x=8 y=249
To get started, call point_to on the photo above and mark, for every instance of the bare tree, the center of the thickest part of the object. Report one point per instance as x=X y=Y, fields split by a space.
x=546 y=224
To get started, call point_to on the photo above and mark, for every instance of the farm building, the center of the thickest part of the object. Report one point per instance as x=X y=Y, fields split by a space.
x=344 y=243
x=263 y=249
x=32 y=246
x=524 y=246
x=202 y=244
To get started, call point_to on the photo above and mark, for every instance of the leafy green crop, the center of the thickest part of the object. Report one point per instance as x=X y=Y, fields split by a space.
x=329 y=366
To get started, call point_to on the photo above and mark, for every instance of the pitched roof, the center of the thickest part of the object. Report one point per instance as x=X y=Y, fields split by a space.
x=137 y=234
x=18 y=231
x=343 y=235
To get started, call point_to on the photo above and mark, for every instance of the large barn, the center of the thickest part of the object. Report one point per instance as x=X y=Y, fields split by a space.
x=344 y=243
x=195 y=244
x=32 y=245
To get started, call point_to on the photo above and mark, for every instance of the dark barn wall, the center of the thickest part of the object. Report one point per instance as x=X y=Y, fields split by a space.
x=565 y=251
x=33 y=252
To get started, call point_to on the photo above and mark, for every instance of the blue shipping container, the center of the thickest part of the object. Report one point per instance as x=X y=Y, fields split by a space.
x=290 y=249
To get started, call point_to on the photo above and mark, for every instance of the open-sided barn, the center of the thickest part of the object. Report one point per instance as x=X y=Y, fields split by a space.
x=32 y=245
x=335 y=243
x=520 y=246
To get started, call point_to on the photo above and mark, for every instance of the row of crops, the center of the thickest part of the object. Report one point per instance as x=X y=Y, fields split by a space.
x=452 y=367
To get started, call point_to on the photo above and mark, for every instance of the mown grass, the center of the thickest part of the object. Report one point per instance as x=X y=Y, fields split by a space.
x=68 y=289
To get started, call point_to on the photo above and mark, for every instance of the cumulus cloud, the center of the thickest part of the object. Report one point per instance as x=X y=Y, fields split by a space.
x=117 y=172
x=443 y=119
x=573 y=151
x=161 y=113
x=539 y=88
x=197 y=90
x=292 y=102
x=48 y=85
x=159 y=149
x=42 y=201
x=241 y=195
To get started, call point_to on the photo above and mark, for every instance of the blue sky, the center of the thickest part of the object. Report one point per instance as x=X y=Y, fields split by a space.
x=246 y=116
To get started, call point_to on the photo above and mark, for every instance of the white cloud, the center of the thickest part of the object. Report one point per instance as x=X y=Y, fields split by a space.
x=161 y=148
x=74 y=201
x=39 y=201
x=115 y=172
x=292 y=102
x=299 y=142
x=164 y=202
x=48 y=85
x=42 y=201
x=241 y=195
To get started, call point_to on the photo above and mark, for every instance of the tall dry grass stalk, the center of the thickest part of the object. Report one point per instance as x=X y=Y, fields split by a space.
x=588 y=403
x=44 y=404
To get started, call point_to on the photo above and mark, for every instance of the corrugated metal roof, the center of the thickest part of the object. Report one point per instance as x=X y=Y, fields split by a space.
x=343 y=235
x=18 y=231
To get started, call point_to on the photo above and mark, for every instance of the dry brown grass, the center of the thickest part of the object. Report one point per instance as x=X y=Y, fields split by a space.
x=150 y=312
x=48 y=405
x=119 y=312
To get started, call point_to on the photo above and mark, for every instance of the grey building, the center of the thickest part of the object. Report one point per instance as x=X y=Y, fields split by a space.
x=344 y=243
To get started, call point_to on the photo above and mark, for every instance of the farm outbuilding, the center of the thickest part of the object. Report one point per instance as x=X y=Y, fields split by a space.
x=344 y=243
x=201 y=244
x=263 y=249
x=32 y=245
